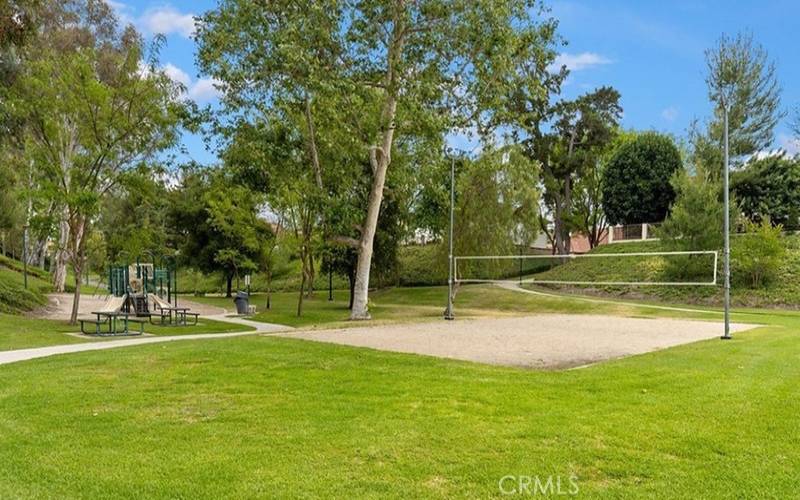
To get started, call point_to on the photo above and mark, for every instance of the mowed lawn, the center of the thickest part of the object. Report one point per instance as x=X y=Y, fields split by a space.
x=20 y=332
x=274 y=417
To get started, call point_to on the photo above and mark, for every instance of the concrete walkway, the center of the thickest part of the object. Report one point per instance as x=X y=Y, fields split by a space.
x=41 y=352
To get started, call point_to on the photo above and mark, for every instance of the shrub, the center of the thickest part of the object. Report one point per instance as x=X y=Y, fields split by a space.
x=769 y=188
x=694 y=223
x=757 y=253
x=636 y=181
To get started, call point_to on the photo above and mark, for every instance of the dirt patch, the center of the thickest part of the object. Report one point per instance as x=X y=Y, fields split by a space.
x=548 y=341
x=59 y=306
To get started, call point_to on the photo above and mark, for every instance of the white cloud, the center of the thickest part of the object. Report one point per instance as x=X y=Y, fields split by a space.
x=578 y=62
x=670 y=114
x=177 y=75
x=167 y=20
x=201 y=90
x=790 y=144
x=204 y=90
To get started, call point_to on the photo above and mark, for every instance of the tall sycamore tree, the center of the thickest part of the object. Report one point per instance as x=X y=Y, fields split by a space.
x=385 y=66
x=91 y=115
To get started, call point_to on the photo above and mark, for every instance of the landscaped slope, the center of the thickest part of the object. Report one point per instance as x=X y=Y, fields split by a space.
x=783 y=291
x=13 y=295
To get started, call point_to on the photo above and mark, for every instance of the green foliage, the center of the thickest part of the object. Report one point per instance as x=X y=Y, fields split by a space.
x=636 y=181
x=769 y=189
x=742 y=77
x=218 y=224
x=758 y=253
x=694 y=223
x=10 y=213
x=133 y=219
x=568 y=141
x=423 y=265
x=496 y=205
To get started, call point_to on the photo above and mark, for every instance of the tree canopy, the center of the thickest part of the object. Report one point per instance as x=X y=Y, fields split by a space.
x=385 y=71
x=637 y=185
x=742 y=77
x=769 y=189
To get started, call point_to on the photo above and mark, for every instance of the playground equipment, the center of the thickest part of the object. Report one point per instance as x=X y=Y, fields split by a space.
x=142 y=283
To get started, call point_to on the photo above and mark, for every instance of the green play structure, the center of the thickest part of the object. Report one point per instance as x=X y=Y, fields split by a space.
x=137 y=281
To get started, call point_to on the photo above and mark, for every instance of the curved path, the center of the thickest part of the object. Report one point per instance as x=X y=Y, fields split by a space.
x=41 y=352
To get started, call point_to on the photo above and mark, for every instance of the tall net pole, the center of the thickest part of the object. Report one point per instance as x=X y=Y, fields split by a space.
x=448 y=313
x=726 y=229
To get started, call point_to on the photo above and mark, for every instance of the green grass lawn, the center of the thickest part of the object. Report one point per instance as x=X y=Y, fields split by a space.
x=18 y=332
x=274 y=417
x=279 y=417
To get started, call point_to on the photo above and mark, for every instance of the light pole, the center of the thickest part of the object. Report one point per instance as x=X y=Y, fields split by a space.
x=726 y=225
x=448 y=313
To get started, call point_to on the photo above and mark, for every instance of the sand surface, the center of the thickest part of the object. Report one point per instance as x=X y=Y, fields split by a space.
x=60 y=306
x=542 y=341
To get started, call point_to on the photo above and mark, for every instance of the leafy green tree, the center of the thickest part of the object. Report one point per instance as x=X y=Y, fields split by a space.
x=17 y=21
x=133 y=219
x=218 y=224
x=769 y=189
x=496 y=206
x=636 y=181
x=758 y=252
x=694 y=223
x=387 y=68
x=567 y=139
x=742 y=77
x=79 y=138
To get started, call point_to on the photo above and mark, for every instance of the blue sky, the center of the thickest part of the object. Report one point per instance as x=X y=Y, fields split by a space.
x=651 y=51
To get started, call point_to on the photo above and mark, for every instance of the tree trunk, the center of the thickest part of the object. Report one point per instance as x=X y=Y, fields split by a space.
x=567 y=211
x=77 y=265
x=269 y=288
x=311 y=276
x=76 y=298
x=361 y=293
x=229 y=279
x=301 y=295
x=351 y=277
x=380 y=159
x=61 y=254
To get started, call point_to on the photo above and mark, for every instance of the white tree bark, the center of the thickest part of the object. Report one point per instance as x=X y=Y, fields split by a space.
x=62 y=253
x=77 y=265
x=66 y=153
x=380 y=159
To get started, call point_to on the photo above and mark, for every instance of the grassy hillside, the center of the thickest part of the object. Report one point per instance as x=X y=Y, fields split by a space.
x=14 y=297
x=783 y=291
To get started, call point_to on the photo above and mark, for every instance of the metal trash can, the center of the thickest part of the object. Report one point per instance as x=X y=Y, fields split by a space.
x=242 y=301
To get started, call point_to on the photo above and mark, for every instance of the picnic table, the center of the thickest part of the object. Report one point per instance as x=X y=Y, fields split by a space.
x=112 y=319
x=175 y=315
